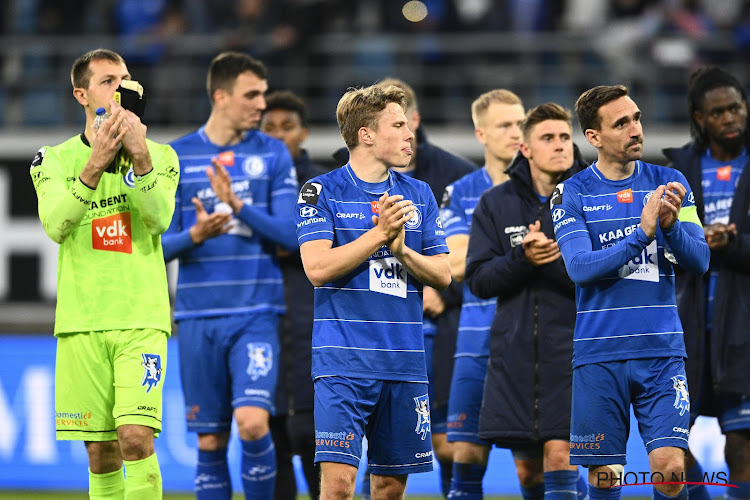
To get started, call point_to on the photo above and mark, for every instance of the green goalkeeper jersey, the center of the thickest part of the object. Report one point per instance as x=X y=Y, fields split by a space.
x=110 y=269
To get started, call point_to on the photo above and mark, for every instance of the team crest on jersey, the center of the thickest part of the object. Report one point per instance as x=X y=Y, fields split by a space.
x=647 y=197
x=447 y=194
x=260 y=357
x=557 y=196
x=423 y=415
x=38 y=158
x=151 y=370
x=129 y=178
x=682 y=396
x=416 y=219
x=254 y=166
x=310 y=193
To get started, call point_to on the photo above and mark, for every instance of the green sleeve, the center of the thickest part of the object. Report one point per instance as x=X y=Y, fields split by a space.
x=154 y=193
x=62 y=204
x=690 y=214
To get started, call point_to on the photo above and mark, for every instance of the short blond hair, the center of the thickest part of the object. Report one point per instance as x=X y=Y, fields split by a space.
x=411 y=96
x=482 y=103
x=359 y=108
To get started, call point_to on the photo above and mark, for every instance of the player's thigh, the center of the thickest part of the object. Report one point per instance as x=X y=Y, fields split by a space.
x=465 y=401
x=398 y=434
x=253 y=362
x=343 y=408
x=600 y=414
x=84 y=388
x=661 y=401
x=140 y=365
x=204 y=374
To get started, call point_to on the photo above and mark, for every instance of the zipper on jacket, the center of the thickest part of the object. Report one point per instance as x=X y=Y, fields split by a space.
x=540 y=213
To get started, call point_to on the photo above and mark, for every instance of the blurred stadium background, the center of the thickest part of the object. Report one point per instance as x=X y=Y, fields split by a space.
x=450 y=51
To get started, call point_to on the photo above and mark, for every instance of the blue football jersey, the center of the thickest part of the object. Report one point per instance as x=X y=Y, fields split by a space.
x=456 y=212
x=631 y=312
x=368 y=324
x=237 y=272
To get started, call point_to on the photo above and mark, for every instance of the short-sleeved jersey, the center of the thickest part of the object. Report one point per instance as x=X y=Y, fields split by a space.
x=631 y=313
x=457 y=208
x=368 y=323
x=110 y=269
x=237 y=272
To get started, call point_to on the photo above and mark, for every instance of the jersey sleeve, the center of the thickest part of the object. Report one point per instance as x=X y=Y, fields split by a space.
x=685 y=238
x=433 y=235
x=313 y=216
x=451 y=214
x=276 y=223
x=584 y=264
x=61 y=206
x=176 y=239
x=154 y=193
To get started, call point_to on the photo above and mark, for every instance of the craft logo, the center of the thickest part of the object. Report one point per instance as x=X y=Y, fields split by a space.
x=112 y=233
x=151 y=370
x=260 y=359
x=625 y=196
x=423 y=415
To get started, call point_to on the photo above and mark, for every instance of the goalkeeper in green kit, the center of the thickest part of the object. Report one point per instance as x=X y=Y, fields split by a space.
x=106 y=196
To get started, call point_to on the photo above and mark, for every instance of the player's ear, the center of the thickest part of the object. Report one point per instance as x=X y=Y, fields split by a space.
x=525 y=151
x=479 y=134
x=81 y=96
x=365 y=136
x=593 y=137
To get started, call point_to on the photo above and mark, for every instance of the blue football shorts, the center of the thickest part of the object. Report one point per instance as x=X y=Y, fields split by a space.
x=734 y=412
x=394 y=416
x=225 y=363
x=602 y=395
x=465 y=403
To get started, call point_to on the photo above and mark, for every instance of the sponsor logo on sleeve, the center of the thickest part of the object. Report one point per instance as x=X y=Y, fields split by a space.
x=310 y=193
x=724 y=173
x=38 y=158
x=557 y=214
x=112 y=233
x=308 y=211
x=691 y=198
x=625 y=196
x=447 y=196
x=557 y=196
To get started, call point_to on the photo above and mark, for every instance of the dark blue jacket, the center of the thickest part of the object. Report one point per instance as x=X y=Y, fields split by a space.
x=438 y=168
x=728 y=345
x=294 y=391
x=527 y=391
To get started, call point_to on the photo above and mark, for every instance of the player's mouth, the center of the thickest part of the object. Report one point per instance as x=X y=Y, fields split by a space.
x=732 y=134
x=408 y=151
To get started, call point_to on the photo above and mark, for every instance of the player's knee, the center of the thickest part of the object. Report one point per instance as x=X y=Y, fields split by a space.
x=557 y=460
x=737 y=451
x=670 y=465
x=104 y=456
x=530 y=473
x=388 y=487
x=335 y=485
x=252 y=422
x=213 y=442
x=136 y=441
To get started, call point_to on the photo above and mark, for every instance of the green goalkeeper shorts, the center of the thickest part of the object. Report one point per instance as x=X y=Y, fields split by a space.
x=107 y=379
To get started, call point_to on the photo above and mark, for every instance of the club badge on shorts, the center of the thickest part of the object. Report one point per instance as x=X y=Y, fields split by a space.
x=682 y=397
x=151 y=370
x=260 y=359
x=423 y=415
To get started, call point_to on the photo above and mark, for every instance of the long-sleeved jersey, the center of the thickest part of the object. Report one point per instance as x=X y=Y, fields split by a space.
x=459 y=201
x=237 y=272
x=625 y=294
x=110 y=269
